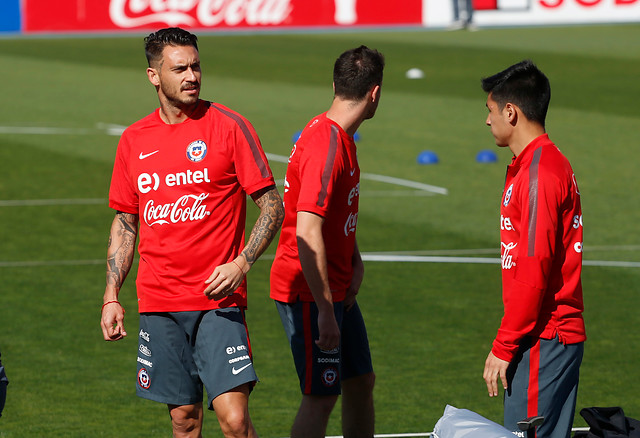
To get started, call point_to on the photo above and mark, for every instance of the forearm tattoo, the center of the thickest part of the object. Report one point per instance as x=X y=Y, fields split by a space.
x=267 y=224
x=122 y=242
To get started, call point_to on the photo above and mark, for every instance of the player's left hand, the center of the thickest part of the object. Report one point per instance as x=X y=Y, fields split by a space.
x=225 y=279
x=495 y=369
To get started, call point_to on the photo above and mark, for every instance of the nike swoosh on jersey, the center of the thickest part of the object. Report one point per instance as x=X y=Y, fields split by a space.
x=143 y=156
x=239 y=370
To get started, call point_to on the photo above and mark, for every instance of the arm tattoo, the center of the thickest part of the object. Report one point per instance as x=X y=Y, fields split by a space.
x=267 y=224
x=122 y=242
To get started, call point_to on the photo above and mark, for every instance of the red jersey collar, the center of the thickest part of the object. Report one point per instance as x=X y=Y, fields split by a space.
x=527 y=153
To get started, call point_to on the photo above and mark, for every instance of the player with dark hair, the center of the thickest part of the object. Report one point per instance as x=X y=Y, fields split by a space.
x=180 y=181
x=538 y=349
x=318 y=270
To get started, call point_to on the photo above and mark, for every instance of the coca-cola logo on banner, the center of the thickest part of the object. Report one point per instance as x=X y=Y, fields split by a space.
x=199 y=13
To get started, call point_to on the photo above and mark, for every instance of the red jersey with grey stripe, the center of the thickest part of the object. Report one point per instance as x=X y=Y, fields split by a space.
x=541 y=240
x=188 y=183
x=323 y=177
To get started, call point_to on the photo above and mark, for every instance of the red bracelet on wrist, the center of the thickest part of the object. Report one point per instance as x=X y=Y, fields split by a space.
x=234 y=262
x=113 y=301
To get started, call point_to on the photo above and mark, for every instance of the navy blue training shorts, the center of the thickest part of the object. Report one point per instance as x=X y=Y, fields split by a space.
x=320 y=372
x=179 y=352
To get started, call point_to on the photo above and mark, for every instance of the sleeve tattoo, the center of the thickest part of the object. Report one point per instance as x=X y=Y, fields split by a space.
x=267 y=225
x=122 y=242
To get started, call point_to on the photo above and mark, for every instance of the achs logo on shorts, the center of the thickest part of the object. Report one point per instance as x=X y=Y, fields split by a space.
x=330 y=376
x=143 y=379
x=196 y=151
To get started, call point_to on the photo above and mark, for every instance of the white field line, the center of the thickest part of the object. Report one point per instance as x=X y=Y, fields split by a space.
x=41 y=202
x=393 y=435
x=101 y=128
x=381 y=178
x=422 y=434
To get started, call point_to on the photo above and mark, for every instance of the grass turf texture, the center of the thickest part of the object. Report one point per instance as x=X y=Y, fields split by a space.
x=430 y=325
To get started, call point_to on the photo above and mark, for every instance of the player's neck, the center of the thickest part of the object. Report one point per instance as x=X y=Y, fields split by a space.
x=523 y=136
x=172 y=114
x=348 y=114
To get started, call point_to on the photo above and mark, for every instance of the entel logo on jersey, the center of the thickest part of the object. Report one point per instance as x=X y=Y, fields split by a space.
x=196 y=151
x=505 y=223
x=353 y=193
x=148 y=182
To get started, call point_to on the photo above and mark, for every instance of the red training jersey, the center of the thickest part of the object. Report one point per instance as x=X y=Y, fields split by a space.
x=541 y=239
x=323 y=177
x=188 y=184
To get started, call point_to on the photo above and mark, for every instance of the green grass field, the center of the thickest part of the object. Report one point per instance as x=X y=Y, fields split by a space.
x=430 y=324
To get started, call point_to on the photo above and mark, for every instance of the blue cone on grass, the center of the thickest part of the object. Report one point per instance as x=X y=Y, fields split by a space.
x=427 y=157
x=486 y=156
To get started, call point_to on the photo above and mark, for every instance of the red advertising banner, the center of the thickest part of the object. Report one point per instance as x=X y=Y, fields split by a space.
x=108 y=15
x=479 y=5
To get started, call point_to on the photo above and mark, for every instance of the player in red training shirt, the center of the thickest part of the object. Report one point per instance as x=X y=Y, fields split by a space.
x=318 y=269
x=180 y=180
x=538 y=350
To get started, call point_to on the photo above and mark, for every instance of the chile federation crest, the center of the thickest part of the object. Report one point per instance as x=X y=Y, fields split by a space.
x=196 y=151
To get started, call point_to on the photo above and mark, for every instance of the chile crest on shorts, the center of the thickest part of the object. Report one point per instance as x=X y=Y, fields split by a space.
x=196 y=151
x=330 y=376
x=143 y=379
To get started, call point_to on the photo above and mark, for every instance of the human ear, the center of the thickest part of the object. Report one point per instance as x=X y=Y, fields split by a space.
x=511 y=112
x=375 y=93
x=153 y=76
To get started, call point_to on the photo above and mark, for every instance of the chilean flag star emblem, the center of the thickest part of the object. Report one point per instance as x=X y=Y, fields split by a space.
x=196 y=151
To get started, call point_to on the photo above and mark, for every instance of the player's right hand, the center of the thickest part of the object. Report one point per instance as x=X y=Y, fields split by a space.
x=112 y=322
x=495 y=370
x=329 y=331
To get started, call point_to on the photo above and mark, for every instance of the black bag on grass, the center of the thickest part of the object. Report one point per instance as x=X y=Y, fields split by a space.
x=608 y=423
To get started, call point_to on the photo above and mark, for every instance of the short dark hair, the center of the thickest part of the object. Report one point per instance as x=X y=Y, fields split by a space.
x=524 y=85
x=356 y=71
x=155 y=43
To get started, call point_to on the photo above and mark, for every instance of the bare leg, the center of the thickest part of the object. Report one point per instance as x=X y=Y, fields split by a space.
x=232 y=409
x=358 y=413
x=186 y=420
x=313 y=416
